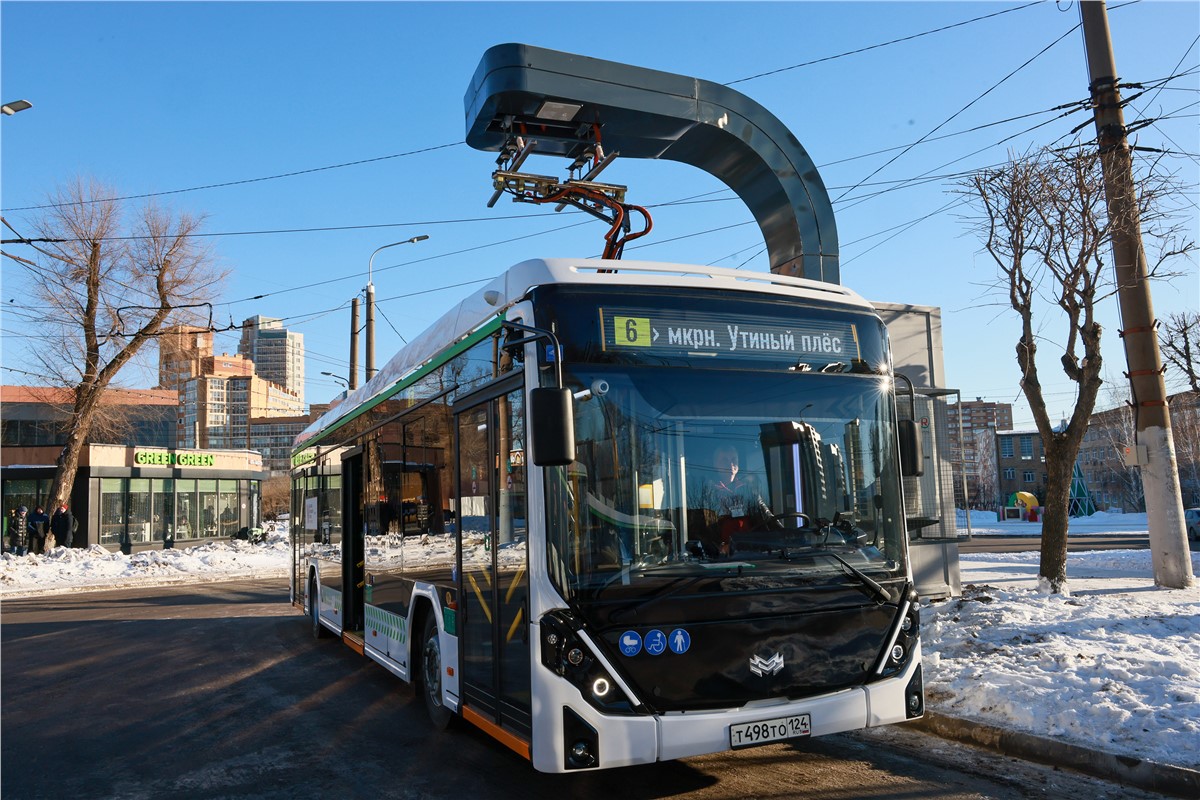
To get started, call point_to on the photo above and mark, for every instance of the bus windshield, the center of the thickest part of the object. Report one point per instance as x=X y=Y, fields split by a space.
x=726 y=480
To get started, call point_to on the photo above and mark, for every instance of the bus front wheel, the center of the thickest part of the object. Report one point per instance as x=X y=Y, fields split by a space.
x=431 y=675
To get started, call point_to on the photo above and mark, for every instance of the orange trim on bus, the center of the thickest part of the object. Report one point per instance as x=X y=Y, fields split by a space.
x=512 y=742
x=354 y=642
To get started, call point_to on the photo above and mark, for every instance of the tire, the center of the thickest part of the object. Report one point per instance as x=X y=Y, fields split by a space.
x=319 y=631
x=430 y=684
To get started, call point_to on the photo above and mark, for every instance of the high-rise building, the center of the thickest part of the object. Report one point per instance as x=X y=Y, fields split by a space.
x=974 y=453
x=181 y=348
x=277 y=353
x=216 y=405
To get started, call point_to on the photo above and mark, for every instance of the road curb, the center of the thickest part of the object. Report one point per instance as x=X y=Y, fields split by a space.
x=1128 y=770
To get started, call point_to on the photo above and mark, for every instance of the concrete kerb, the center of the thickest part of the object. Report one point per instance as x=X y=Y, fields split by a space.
x=1127 y=770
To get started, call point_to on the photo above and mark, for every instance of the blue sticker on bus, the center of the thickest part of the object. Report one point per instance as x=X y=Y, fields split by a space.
x=680 y=641
x=631 y=643
x=656 y=642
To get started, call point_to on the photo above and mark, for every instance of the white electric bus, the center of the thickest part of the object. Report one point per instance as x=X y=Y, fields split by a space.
x=618 y=512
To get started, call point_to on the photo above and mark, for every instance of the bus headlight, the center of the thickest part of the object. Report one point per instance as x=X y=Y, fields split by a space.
x=908 y=635
x=566 y=654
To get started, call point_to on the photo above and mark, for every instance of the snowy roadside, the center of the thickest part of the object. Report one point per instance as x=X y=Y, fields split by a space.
x=61 y=570
x=1115 y=666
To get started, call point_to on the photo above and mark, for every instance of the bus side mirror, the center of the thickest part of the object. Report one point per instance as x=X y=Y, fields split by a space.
x=911 y=457
x=552 y=425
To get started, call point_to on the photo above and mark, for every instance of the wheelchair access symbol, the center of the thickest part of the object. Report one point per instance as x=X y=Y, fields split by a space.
x=656 y=642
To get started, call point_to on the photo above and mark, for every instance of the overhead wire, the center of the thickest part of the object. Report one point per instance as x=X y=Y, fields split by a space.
x=245 y=181
x=881 y=44
x=896 y=185
x=985 y=93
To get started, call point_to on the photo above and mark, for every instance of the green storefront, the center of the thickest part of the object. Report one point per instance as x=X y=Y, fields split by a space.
x=135 y=498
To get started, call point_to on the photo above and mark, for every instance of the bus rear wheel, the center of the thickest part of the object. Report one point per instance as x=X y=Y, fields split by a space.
x=314 y=612
x=431 y=675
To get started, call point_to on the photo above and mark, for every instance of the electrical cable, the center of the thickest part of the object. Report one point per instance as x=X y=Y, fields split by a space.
x=881 y=44
x=254 y=180
x=988 y=91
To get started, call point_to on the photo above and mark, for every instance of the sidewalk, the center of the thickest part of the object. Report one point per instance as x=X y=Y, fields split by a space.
x=1105 y=681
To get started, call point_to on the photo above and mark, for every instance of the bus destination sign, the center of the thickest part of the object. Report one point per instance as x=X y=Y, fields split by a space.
x=677 y=332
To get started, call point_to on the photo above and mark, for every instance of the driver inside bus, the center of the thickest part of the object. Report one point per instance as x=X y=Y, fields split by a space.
x=735 y=501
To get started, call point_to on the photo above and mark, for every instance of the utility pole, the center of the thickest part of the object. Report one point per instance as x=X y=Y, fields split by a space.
x=1154 y=453
x=352 y=383
x=370 y=331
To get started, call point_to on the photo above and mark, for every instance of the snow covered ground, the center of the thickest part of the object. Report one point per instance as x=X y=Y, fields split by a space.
x=1115 y=666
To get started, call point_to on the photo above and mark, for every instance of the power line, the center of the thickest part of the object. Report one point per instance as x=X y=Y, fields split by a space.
x=988 y=91
x=418 y=151
x=253 y=180
x=881 y=44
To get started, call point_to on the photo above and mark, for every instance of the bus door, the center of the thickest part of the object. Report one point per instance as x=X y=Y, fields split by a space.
x=494 y=587
x=352 y=541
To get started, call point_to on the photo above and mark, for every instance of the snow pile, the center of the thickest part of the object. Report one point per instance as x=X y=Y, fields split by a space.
x=1115 y=666
x=63 y=570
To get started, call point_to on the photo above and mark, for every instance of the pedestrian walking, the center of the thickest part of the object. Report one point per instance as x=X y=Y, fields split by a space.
x=38 y=526
x=63 y=526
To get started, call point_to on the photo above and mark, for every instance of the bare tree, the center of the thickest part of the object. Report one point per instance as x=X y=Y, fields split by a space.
x=1185 y=425
x=101 y=291
x=988 y=486
x=1179 y=338
x=1044 y=223
x=276 y=495
x=1118 y=431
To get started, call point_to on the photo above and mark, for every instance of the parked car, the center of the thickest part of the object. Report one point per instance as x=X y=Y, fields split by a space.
x=1191 y=518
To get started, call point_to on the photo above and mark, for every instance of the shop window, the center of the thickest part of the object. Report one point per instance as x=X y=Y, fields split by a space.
x=162 y=523
x=187 y=510
x=207 y=490
x=26 y=492
x=112 y=510
x=139 y=510
x=230 y=511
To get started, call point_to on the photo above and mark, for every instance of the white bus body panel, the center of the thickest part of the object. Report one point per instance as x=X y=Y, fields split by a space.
x=886 y=699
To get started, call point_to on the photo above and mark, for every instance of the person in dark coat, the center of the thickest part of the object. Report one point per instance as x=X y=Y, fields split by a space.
x=39 y=526
x=18 y=517
x=62 y=525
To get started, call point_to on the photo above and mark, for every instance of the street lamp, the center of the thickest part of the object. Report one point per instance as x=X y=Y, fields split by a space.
x=16 y=105
x=371 y=301
x=338 y=378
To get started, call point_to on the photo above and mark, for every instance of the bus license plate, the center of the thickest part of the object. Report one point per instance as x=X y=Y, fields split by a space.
x=749 y=734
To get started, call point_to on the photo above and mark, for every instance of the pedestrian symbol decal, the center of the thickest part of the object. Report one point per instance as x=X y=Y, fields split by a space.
x=631 y=643
x=656 y=642
x=679 y=641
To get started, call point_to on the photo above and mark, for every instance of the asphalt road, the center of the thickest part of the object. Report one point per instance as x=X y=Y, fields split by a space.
x=219 y=691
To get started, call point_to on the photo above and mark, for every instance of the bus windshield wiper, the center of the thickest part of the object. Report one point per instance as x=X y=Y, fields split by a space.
x=875 y=589
x=675 y=586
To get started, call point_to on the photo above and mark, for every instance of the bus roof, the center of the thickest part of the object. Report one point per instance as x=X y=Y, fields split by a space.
x=488 y=304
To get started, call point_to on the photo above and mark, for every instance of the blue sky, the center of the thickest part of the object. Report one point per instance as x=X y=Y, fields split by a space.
x=163 y=97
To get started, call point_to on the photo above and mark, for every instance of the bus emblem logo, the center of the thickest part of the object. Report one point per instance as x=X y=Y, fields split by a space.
x=766 y=666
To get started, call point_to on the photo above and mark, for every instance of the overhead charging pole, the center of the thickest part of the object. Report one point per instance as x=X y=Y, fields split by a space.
x=1154 y=453
x=525 y=99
